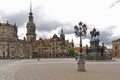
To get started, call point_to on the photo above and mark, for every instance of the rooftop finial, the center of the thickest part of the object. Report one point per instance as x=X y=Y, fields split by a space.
x=30 y=6
x=62 y=29
x=15 y=24
x=72 y=39
x=7 y=22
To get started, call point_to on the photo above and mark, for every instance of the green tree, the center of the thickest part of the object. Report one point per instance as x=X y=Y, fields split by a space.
x=72 y=52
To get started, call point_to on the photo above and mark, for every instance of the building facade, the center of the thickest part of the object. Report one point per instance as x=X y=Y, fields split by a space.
x=52 y=48
x=12 y=47
x=116 y=47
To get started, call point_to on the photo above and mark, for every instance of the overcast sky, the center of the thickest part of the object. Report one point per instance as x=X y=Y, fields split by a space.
x=51 y=15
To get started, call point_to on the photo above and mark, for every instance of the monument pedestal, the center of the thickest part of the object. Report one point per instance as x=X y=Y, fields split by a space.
x=81 y=65
x=96 y=52
x=96 y=56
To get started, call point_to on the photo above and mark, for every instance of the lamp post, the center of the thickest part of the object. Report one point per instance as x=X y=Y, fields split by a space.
x=81 y=31
x=38 y=52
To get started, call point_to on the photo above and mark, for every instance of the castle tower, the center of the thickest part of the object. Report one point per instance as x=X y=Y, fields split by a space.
x=62 y=41
x=62 y=36
x=31 y=28
x=72 y=43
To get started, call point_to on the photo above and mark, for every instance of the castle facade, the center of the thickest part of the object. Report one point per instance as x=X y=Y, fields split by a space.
x=29 y=47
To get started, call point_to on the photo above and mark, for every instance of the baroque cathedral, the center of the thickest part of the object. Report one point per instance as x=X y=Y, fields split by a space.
x=29 y=47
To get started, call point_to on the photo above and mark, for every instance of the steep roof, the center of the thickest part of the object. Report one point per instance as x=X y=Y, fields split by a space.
x=36 y=42
x=46 y=41
x=55 y=36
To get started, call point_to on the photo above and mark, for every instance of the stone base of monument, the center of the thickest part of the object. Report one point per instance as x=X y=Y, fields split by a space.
x=81 y=65
x=96 y=56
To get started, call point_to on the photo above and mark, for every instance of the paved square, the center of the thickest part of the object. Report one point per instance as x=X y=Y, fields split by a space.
x=66 y=69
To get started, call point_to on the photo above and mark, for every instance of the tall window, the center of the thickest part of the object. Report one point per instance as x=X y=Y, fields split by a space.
x=116 y=47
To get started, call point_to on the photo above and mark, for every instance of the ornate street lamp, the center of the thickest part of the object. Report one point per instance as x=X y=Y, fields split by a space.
x=81 y=31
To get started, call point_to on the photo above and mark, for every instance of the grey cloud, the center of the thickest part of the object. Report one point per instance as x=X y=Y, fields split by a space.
x=1 y=13
x=67 y=28
x=48 y=26
x=18 y=18
x=106 y=35
x=43 y=22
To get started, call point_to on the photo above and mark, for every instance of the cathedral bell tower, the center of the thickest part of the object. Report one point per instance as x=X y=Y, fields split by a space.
x=31 y=28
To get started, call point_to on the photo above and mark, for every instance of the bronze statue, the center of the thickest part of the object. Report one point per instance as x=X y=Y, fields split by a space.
x=94 y=34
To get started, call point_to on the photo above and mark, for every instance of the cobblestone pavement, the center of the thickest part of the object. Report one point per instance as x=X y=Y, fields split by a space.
x=8 y=68
x=66 y=69
x=58 y=69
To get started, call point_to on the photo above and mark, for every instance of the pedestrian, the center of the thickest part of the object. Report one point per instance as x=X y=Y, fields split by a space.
x=87 y=50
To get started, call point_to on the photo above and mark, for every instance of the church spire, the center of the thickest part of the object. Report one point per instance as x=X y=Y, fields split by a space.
x=31 y=28
x=62 y=36
x=72 y=43
x=30 y=14
x=30 y=7
x=62 y=30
